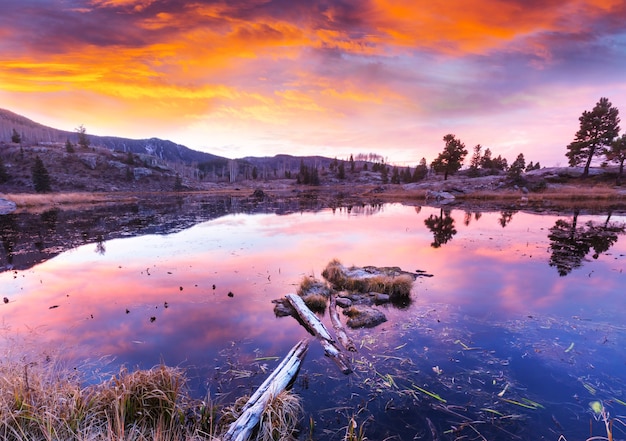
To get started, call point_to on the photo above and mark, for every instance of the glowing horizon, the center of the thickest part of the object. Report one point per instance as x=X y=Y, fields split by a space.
x=259 y=78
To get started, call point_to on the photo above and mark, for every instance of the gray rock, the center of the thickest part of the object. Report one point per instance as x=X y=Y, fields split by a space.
x=344 y=302
x=91 y=161
x=362 y=316
x=7 y=206
x=380 y=298
x=439 y=195
x=140 y=172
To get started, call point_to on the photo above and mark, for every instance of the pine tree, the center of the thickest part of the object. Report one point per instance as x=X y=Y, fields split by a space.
x=41 y=178
x=421 y=171
x=451 y=159
x=4 y=176
x=598 y=129
x=516 y=169
x=83 y=139
x=69 y=147
x=178 y=183
x=16 y=137
x=618 y=154
x=341 y=171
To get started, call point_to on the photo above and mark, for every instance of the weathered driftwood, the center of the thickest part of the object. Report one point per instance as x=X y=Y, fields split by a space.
x=278 y=380
x=317 y=328
x=343 y=338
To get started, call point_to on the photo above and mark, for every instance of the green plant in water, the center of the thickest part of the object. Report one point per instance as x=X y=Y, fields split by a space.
x=600 y=414
x=351 y=431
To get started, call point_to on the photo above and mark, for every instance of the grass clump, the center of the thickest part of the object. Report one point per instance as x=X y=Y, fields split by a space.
x=392 y=281
x=315 y=294
x=315 y=302
x=144 y=398
x=42 y=401
x=335 y=274
x=278 y=422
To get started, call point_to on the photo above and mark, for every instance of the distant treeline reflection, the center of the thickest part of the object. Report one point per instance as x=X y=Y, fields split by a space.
x=27 y=239
x=570 y=243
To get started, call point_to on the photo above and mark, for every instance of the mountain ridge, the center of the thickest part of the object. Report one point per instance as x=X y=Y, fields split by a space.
x=33 y=132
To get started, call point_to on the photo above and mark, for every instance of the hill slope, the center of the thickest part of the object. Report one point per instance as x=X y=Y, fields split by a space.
x=32 y=132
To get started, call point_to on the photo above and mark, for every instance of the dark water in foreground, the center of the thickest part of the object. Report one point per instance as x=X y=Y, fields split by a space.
x=519 y=329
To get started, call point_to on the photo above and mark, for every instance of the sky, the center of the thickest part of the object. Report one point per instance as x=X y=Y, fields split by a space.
x=329 y=77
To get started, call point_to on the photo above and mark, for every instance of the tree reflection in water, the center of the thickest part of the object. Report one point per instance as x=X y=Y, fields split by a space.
x=441 y=226
x=570 y=243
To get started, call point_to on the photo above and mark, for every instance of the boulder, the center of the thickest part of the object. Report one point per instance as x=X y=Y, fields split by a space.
x=440 y=196
x=363 y=316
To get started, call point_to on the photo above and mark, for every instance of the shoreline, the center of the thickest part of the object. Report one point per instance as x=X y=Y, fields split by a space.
x=565 y=196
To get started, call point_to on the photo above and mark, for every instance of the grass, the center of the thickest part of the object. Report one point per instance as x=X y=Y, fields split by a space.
x=398 y=287
x=278 y=422
x=315 y=293
x=30 y=201
x=315 y=302
x=41 y=401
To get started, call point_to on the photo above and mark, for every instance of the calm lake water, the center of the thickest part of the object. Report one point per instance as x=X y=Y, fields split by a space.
x=519 y=329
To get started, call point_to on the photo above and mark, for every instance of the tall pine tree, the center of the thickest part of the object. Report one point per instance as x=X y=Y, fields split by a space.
x=598 y=129
x=41 y=178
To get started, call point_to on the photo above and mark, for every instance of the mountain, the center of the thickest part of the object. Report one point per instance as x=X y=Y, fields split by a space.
x=32 y=132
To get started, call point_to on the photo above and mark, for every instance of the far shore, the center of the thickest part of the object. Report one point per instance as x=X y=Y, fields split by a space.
x=450 y=193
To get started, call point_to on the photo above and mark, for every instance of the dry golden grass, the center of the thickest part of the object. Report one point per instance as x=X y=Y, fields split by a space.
x=44 y=402
x=278 y=422
x=353 y=279
x=44 y=201
x=306 y=284
x=315 y=302
x=40 y=400
x=335 y=274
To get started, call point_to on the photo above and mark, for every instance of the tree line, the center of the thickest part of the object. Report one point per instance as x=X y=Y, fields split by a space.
x=597 y=137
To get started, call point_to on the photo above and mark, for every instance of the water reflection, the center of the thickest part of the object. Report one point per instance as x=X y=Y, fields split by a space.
x=570 y=243
x=442 y=227
x=493 y=288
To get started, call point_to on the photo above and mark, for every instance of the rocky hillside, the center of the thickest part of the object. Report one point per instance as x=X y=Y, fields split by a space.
x=96 y=169
x=32 y=133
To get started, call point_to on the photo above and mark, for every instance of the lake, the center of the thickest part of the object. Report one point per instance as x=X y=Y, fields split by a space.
x=519 y=329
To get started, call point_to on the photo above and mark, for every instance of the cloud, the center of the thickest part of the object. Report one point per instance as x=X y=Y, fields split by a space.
x=315 y=72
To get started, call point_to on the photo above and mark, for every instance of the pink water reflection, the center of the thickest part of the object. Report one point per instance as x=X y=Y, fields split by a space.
x=115 y=303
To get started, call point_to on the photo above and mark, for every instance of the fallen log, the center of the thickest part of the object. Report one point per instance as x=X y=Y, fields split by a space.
x=279 y=379
x=317 y=328
x=314 y=325
x=343 y=338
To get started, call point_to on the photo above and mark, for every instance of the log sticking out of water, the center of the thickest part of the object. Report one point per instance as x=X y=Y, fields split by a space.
x=311 y=321
x=343 y=338
x=279 y=379
x=317 y=328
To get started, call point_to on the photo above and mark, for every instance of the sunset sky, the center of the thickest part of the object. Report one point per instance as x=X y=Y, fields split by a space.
x=329 y=77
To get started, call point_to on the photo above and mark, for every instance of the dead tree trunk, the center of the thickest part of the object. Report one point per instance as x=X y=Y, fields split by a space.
x=317 y=328
x=278 y=380
x=343 y=338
